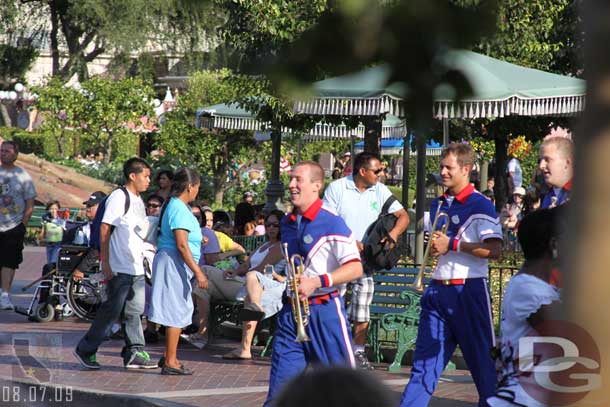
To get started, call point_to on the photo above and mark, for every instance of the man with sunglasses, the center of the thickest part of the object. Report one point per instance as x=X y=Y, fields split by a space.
x=153 y=205
x=358 y=199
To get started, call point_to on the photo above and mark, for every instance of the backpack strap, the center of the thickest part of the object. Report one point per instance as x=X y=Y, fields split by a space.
x=387 y=204
x=127 y=199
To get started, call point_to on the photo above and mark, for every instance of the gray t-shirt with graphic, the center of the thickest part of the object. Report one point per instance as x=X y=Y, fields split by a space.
x=16 y=187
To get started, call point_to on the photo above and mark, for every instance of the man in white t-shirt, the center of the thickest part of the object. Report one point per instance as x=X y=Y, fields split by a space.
x=358 y=200
x=122 y=257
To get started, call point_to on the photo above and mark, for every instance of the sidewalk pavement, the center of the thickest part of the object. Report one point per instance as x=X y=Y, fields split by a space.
x=37 y=368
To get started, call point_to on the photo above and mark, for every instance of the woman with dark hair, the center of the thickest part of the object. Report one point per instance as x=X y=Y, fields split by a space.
x=164 y=180
x=175 y=264
x=264 y=285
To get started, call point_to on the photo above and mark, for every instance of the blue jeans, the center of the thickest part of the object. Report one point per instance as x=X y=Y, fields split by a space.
x=126 y=299
x=53 y=252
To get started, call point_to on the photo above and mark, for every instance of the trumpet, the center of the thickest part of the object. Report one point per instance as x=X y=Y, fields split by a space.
x=419 y=280
x=300 y=309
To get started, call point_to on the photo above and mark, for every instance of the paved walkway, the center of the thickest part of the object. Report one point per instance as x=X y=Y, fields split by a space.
x=39 y=355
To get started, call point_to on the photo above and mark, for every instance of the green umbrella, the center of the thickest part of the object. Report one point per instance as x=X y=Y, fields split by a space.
x=499 y=89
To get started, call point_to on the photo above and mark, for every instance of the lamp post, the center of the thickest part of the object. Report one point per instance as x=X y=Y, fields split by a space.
x=18 y=98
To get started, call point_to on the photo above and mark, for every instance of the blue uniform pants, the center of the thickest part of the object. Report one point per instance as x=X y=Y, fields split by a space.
x=452 y=315
x=331 y=343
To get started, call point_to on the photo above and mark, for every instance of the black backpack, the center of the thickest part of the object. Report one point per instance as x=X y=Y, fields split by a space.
x=376 y=255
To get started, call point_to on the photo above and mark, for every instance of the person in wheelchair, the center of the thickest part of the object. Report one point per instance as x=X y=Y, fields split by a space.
x=82 y=236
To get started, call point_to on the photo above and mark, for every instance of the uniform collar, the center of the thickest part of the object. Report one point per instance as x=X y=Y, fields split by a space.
x=310 y=213
x=568 y=186
x=463 y=194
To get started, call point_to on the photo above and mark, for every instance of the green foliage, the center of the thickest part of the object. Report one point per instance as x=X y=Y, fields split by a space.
x=213 y=152
x=102 y=112
x=256 y=30
x=28 y=142
x=526 y=33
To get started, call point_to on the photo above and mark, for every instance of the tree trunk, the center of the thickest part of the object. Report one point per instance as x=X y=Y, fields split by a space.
x=587 y=239
x=501 y=186
x=6 y=117
x=108 y=154
x=219 y=191
x=372 y=134
x=54 y=40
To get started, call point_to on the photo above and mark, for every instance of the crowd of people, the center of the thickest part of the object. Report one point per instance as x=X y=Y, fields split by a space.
x=194 y=261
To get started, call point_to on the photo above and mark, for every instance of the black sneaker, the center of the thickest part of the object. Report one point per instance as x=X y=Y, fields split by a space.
x=362 y=361
x=87 y=361
x=141 y=360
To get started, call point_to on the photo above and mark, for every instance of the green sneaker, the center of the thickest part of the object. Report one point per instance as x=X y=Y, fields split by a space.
x=141 y=360
x=87 y=361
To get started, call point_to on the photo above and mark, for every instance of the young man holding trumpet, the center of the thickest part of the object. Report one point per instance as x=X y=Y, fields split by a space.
x=455 y=307
x=323 y=256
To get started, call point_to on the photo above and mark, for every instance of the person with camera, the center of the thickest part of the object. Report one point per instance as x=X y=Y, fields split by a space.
x=358 y=199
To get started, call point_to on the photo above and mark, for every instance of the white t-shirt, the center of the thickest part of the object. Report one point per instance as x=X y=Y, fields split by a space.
x=515 y=167
x=524 y=295
x=126 y=247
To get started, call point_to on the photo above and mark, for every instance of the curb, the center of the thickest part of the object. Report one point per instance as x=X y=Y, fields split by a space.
x=25 y=392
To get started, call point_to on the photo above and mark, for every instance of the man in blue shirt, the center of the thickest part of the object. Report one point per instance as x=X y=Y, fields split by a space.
x=358 y=200
x=556 y=160
x=330 y=259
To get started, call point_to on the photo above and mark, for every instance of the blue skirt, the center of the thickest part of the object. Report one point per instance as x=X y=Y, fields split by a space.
x=171 y=303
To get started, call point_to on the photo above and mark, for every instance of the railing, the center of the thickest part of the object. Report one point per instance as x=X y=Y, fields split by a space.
x=39 y=211
x=250 y=243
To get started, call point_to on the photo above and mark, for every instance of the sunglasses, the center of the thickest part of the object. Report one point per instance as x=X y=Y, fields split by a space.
x=154 y=206
x=377 y=171
x=274 y=224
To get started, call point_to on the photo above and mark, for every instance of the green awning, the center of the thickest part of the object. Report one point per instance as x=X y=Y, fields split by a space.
x=499 y=89
x=231 y=116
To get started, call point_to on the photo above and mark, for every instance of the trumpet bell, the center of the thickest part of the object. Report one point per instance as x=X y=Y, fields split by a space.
x=301 y=334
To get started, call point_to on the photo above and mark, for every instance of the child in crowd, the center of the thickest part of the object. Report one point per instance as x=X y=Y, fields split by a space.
x=52 y=231
x=527 y=303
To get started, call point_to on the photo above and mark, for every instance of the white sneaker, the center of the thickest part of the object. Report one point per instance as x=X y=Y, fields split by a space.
x=5 y=302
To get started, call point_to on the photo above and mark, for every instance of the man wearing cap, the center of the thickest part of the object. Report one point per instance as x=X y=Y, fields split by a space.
x=83 y=235
x=244 y=212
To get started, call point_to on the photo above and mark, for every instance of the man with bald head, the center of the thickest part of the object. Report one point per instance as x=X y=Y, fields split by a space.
x=330 y=259
x=556 y=161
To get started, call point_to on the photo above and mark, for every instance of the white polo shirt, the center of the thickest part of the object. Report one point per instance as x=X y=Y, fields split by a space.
x=357 y=209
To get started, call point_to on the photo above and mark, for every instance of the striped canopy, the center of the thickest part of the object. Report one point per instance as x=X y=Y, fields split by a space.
x=499 y=89
x=231 y=116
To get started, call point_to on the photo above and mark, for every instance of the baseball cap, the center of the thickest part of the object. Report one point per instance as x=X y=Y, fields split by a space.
x=347 y=154
x=95 y=198
x=248 y=193
x=519 y=191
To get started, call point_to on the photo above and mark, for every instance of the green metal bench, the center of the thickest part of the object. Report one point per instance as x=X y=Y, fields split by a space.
x=250 y=243
x=39 y=211
x=228 y=311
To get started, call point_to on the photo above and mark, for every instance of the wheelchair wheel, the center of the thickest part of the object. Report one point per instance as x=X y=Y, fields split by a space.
x=84 y=298
x=44 y=312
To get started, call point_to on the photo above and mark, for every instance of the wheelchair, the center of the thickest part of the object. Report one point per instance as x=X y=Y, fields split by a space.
x=58 y=296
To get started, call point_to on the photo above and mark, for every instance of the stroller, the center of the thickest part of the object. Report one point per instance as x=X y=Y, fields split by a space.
x=58 y=296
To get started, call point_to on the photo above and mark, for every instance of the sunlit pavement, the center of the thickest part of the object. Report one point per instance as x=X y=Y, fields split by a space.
x=36 y=356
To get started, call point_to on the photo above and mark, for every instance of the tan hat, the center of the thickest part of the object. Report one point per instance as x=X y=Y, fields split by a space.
x=519 y=191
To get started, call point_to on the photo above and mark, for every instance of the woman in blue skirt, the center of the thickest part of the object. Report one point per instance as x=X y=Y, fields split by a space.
x=175 y=264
